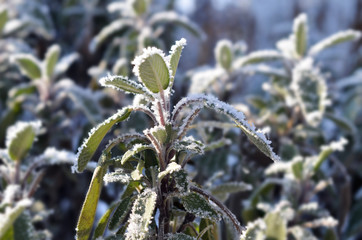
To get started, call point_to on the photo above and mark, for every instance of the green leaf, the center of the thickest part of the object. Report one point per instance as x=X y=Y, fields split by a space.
x=179 y=236
x=181 y=181
x=116 y=27
x=51 y=59
x=11 y=214
x=3 y=18
x=300 y=29
x=224 y=54
x=120 y=213
x=258 y=57
x=276 y=227
x=310 y=90
x=102 y=223
x=175 y=55
x=123 y=84
x=211 y=229
x=87 y=214
x=297 y=168
x=140 y=6
x=152 y=70
x=222 y=191
x=137 y=148
x=22 y=89
x=141 y=215
x=337 y=38
x=255 y=136
x=199 y=206
x=28 y=65
x=90 y=145
x=171 y=167
x=20 y=138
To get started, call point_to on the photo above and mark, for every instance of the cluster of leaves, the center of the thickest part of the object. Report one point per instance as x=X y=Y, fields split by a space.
x=153 y=163
x=296 y=107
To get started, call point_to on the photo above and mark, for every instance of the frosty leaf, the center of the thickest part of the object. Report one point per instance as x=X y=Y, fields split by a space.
x=53 y=156
x=90 y=145
x=103 y=221
x=123 y=84
x=3 y=18
x=254 y=231
x=87 y=214
x=224 y=54
x=120 y=67
x=310 y=90
x=22 y=89
x=64 y=63
x=257 y=57
x=173 y=17
x=109 y=30
x=190 y=146
x=297 y=168
x=135 y=150
x=328 y=149
x=328 y=222
x=337 y=38
x=222 y=191
x=29 y=65
x=119 y=175
x=20 y=138
x=300 y=233
x=179 y=236
x=175 y=55
x=11 y=214
x=120 y=213
x=51 y=59
x=181 y=181
x=152 y=69
x=300 y=30
x=276 y=227
x=171 y=167
x=141 y=215
x=199 y=206
x=255 y=136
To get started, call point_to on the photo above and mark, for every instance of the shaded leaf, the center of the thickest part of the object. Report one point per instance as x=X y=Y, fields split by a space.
x=199 y=206
x=103 y=221
x=51 y=59
x=135 y=150
x=87 y=214
x=120 y=213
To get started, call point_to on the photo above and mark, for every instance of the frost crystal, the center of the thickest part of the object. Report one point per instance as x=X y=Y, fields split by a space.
x=180 y=43
x=335 y=145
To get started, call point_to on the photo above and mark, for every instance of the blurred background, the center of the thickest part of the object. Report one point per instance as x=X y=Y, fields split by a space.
x=73 y=25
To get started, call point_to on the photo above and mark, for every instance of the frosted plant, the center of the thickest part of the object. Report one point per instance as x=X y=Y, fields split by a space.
x=20 y=175
x=47 y=90
x=140 y=26
x=297 y=213
x=159 y=200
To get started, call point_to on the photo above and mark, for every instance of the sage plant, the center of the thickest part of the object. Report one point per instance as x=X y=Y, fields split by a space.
x=159 y=200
